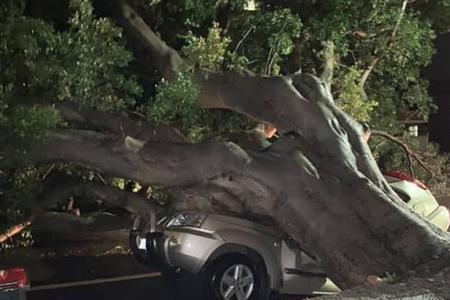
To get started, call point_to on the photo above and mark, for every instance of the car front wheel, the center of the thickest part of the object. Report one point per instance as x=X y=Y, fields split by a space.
x=239 y=278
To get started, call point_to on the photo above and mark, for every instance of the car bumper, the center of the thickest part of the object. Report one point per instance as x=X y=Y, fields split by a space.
x=177 y=251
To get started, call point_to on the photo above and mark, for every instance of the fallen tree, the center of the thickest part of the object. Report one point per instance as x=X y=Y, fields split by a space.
x=318 y=181
x=318 y=177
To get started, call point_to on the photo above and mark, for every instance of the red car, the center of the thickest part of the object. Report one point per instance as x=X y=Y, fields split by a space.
x=13 y=284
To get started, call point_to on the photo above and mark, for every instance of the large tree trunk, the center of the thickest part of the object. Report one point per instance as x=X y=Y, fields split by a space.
x=319 y=181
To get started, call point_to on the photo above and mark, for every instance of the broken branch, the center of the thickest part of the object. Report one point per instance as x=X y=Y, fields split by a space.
x=409 y=153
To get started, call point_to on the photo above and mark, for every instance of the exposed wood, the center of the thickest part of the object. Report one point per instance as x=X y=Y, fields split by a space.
x=16 y=229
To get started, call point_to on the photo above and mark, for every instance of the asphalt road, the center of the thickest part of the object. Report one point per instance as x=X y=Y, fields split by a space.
x=155 y=288
x=111 y=277
x=149 y=288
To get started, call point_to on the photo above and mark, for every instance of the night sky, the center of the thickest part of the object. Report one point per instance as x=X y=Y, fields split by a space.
x=439 y=70
x=439 y=75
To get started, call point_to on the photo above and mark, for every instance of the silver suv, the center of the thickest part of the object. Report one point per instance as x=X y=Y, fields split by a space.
x=237 y=258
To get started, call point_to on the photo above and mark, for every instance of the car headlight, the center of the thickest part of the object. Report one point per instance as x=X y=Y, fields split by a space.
x=186 y=219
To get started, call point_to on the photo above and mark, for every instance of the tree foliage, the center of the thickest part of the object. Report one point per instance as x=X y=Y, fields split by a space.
x=42 y=67
x=266 y=38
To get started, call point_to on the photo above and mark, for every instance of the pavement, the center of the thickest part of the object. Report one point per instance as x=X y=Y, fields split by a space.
x=56 y=274
x=113 y=275
x=155 y=288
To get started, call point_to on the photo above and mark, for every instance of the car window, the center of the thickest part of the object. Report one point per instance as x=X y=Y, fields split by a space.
x=402 y=195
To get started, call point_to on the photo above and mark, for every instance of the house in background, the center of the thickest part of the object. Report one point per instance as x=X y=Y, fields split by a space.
x=415 y=126
x=250 y=5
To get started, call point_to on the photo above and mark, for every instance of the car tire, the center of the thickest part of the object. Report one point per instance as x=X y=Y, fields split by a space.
x=244 y=277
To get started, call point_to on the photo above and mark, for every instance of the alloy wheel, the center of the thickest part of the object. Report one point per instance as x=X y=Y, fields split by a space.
x=237 y=283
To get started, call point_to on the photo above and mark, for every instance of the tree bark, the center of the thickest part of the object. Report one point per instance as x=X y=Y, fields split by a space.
x=166 y=59
x=121 y=124
x=68 y=227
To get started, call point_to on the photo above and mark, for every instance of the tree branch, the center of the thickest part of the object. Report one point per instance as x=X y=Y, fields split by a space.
x=409 y=153
x=284 y=102
x=167 y=60
x=16 y=229
x=389 y=43
x=121 y=124
x=57 y=192
x=148 y=163
x=93 y=226
x=329 y=58
x=132 y=202
x=51 y=196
